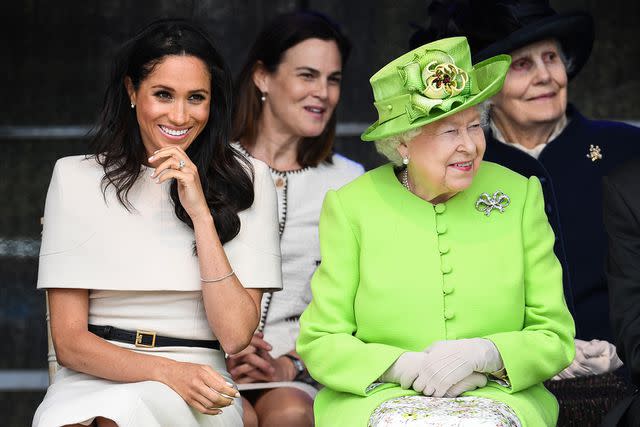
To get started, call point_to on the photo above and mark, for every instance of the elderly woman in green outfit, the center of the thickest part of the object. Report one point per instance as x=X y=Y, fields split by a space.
x=438 y=277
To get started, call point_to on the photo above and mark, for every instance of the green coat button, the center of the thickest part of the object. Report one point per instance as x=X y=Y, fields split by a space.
x=443 y=247
x=440 y=208
x=441 y=228
x=448 y=314
x=447 y=288
x=446 y=268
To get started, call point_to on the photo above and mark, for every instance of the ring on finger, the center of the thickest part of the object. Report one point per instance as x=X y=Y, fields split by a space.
x=181 y=164
x=226 y=396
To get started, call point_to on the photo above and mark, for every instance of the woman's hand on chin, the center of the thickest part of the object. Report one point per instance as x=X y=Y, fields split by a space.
x=173 y=163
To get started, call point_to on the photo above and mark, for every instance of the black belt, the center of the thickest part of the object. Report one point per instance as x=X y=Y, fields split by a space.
x=148 y=339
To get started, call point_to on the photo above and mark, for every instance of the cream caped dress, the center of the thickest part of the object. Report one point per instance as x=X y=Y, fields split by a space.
x=141 y=273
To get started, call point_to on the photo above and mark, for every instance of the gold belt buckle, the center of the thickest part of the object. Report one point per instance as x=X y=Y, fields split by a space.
x=140 y=335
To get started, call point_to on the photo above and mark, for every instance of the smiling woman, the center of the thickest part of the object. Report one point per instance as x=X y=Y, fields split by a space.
x=172 y=103
x=438 y=279
x=534 y=97
x=156 y=249
x=287 y=93
x=446 y=156
x=302 y=94
x=533 y=130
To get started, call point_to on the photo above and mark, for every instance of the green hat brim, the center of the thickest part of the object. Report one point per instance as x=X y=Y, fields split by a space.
x=490 y=74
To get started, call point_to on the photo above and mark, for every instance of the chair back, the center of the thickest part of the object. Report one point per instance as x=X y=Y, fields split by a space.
x=585 y=400
x=51 y=351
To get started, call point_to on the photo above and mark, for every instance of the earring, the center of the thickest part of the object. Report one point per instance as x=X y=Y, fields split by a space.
x=133 y=105
x=405 y=161
x=263 y=97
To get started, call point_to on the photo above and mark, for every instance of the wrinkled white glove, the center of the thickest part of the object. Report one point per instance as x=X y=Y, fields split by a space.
x=472 y=382
x=449 y=362
x=592 y=358
x=405 y=369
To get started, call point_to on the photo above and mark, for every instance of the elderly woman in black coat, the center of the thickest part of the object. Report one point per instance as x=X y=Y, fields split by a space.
x=534 y=131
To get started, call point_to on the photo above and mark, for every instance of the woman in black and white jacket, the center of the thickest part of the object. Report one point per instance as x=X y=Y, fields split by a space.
x=286 y=96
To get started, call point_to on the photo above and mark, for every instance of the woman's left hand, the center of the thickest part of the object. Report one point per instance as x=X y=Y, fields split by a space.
x=449 y=362
x=174 y=163
x=472 y=382
x=255 y=364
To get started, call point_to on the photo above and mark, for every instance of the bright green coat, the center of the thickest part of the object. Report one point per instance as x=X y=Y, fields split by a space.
x=398 y=274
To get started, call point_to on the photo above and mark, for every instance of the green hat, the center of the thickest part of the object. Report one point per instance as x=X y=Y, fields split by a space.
x=429 y=83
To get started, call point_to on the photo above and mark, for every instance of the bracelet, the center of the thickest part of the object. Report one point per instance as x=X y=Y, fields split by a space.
x=500 y=374
x=219 y=279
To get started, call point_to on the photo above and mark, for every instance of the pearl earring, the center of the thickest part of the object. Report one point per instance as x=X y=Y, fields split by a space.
x=263 y=97
x=133 y=105
x=405 y=161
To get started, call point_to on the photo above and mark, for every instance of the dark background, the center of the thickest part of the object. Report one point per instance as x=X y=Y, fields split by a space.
x=55 y=60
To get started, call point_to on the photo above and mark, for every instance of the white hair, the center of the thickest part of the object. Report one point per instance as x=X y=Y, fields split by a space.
x=568 y=62
x=388 y=146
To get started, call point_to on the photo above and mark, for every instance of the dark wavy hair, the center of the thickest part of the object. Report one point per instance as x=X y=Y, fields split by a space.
x=225 y=174
x=283 y=32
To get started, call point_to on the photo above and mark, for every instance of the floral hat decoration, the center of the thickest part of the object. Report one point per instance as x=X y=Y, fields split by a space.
x=429 y=83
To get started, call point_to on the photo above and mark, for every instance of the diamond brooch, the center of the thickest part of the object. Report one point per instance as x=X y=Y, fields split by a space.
x=486 y=203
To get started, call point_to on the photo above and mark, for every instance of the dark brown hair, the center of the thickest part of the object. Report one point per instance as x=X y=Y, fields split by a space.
x=284 y=32
x=226 y=176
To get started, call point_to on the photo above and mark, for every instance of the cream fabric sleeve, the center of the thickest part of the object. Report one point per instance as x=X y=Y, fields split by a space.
x=67 y=224
x=92 y=243
x=254 y=254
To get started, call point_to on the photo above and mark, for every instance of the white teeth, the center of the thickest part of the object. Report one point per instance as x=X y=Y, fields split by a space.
x=314 y=110
x=463 y=165
x=174 y=132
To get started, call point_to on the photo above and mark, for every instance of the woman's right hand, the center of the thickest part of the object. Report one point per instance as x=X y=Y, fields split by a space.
x=593 y=357
x=186 y=175
x=200 y=386
x=405 y=369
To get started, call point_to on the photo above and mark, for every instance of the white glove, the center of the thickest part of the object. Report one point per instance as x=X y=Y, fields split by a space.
x=472 y=382
x=449 y=362
x=592 y=358
x=405 y=369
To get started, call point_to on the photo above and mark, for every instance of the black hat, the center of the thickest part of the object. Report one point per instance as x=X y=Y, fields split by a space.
x=502 y=26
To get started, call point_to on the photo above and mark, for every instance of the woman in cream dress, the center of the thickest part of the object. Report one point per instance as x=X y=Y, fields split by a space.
x=156 y=249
